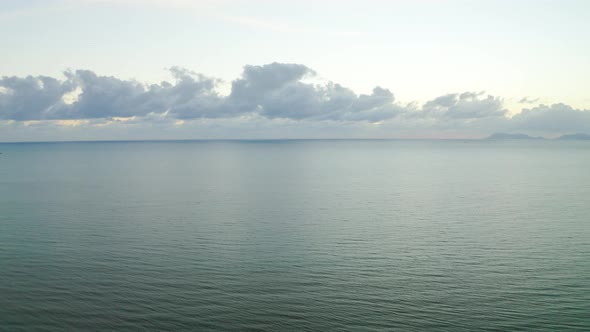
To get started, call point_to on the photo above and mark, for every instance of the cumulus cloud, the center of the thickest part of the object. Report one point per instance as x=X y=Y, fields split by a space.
x=555 y=118
x=269 y=94
x=467 y=105
x=31 y=98
x=273 y=91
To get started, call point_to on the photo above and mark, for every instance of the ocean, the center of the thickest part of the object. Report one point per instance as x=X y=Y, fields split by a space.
x=295 y=235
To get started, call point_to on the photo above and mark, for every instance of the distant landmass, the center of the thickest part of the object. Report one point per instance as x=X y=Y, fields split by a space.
x=579 y=136
x=511 y=136
x=575 y=137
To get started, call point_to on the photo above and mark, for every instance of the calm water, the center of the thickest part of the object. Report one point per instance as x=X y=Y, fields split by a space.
x=295 y=235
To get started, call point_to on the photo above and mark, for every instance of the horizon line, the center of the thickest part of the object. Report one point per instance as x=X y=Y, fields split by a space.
x=488 y=138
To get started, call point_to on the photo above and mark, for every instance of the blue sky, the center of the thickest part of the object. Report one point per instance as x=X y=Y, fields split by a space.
x=524 y=54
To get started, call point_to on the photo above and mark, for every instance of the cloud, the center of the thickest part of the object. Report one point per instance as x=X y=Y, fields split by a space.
x=31 y=98
x=274 y=91
x=527 y=100
x=263 y=96
x=467 y=105
x=558 y=118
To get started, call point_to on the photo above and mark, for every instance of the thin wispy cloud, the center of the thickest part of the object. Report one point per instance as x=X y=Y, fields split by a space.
x=528 y=100
x=24 y=9
x=222 y=11
x=283 y=27
x=179 y=4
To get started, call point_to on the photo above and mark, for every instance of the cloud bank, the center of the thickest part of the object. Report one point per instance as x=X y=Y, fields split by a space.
x=271 y=99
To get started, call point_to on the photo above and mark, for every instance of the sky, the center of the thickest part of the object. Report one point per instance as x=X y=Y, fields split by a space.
x=179 y=69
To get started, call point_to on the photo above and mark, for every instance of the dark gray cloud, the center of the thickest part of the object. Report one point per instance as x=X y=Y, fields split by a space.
x=267 y=96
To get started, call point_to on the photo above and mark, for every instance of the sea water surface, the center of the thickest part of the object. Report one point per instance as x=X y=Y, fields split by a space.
x=295 y=235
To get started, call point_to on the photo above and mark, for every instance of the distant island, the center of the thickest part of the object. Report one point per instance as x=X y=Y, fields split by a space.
x=511 y=136
x=508 y=136
x=575 y=137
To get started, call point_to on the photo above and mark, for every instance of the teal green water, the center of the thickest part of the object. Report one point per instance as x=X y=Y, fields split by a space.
x=295 y=235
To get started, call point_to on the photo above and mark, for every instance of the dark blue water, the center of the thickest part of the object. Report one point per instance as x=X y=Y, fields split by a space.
x=295 y=235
